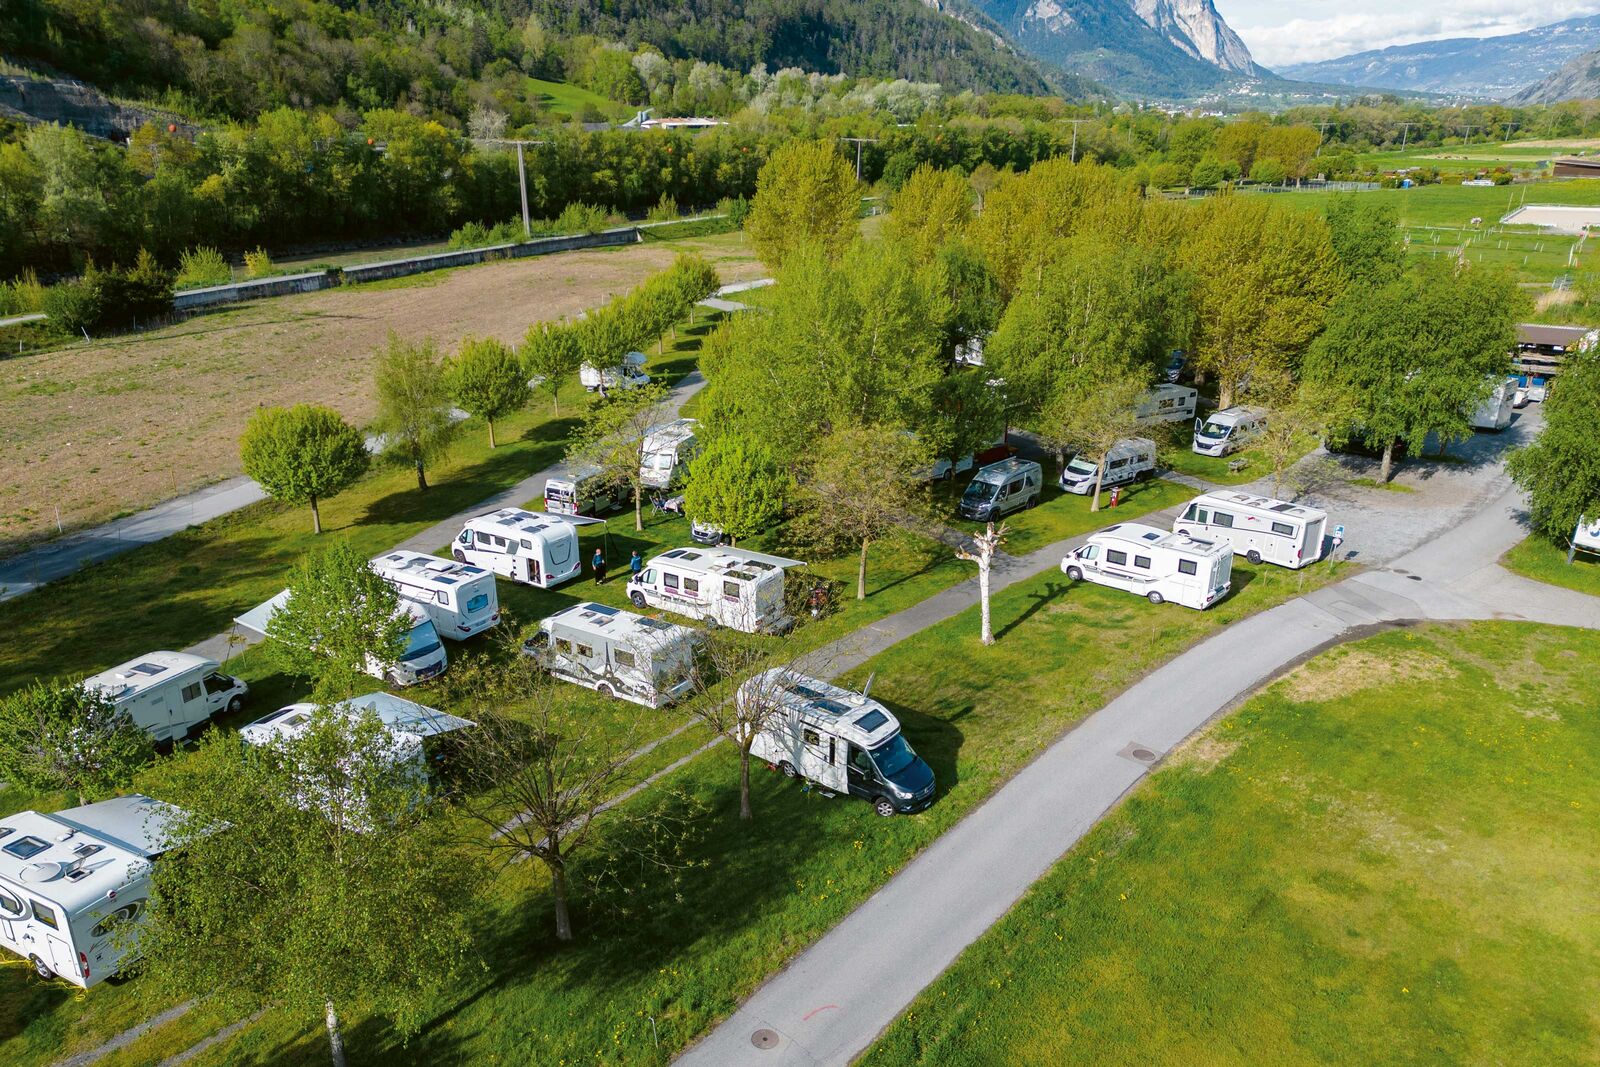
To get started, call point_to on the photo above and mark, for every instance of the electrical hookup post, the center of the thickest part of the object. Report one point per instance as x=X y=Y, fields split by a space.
x=1116 y=495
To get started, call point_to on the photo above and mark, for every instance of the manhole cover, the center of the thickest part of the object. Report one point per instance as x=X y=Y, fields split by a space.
x=764 y=1039
x=1415 y=577
x=1139 y=753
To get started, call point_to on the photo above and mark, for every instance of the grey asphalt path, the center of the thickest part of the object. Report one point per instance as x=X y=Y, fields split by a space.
x=834 y=999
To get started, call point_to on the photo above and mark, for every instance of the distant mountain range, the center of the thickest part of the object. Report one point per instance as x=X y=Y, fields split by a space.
x=1578 y=79
x=1487 y=67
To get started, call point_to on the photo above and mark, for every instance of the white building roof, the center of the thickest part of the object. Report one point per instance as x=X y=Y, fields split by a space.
x=138 y=675
x=75 y=857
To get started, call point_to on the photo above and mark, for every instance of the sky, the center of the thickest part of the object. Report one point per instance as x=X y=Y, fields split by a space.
x=1281 y=32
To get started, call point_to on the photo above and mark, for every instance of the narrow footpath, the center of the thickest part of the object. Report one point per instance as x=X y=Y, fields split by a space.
x=834 y=999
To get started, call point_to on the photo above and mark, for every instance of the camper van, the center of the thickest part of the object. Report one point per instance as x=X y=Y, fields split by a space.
x=525 y=546
x=629 y=374
x=1167 y=402
x=723 y=586
x=1586 y=538
x=423 y=658
x=459 y=598
x=1228 y=431
x=1001 y=488
x=584 y=491
x=1133 y=459
x=843 y=741
x=1155 y=564
x=1257 y=527
x=69 y=880
x=666 y=453
x=616 y=653
x=1494 y=411
x=168 y=694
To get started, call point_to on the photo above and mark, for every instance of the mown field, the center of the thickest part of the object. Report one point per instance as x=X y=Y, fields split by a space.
x=1379 y=859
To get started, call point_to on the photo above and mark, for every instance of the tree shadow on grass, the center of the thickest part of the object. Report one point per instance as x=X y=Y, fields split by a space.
x=459 y=490
x=1036 y=602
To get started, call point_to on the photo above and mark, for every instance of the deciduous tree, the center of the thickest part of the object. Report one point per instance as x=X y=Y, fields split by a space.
x=1092 y=410
x=863 y=482
x=551 y=356
x=485 y=379
x=612 y=438
x=59 y=735
x=737 y=486
x=931 y=209
x=982 y=551
x=302 y=454
x=1560 y=470
x=413 y=405
x=340 y=616
x=806 y=195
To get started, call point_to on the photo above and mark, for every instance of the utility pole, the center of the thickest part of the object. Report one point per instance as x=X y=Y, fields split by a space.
x=1468 y=138
x=522 y=177
x=859 y=142
x=1405 y=133
x=1322 y=134
x=1075 y=124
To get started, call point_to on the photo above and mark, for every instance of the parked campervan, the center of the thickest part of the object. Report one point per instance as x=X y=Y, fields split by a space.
x=722 y=586
x=1156 y=564
x=525 y=546
x=1494 y=411
x=460 y=599
x=70 y=881
x=583 y=491
x=666 y=453
x=423 y=658
x=617 y=653
x=843 y=741
x=1167 y=402
x=1228 y=431
x=1257 y=527
x=168 y=694
x=1001 y=488
x=1586 y=538
x=628 y=374
x=1133 y=459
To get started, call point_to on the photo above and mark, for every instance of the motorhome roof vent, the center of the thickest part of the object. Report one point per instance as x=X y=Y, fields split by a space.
x=603 y=609
x=872 y=720
x=44 y=871
x=832 y=707
x=654 y=624
x=26 y=848
x=85 y=850
x=1153 y=535
x=78 y=874
x=6 y=831
x=148 y=669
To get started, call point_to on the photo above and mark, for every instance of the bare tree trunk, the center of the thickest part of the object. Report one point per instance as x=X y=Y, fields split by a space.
x=491 y=432
x=1224 y=392
x=746 y=813
x=422 y=477
x=335 y=1038
x=861 y=572
x=1388 y=461
x=1099 y=479
x=638 y=509
x=983 y=598
x=558 y=889
x=555 y=401
x=316 y=517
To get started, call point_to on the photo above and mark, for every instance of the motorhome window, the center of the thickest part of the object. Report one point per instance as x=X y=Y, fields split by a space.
x=813 y=738
x=466 y=537
x=691 y=585
x=1188 y=566
x=1222 y=518
x=648 y=577
x=44 y=915
x=1283 y=528
x=424 y=641
x=623 y=659
x=1142 y=562
x=216 y=683
x=1214 y=429
x=1114 y=556
x=527 y=544
x=872 y=720
x=1014 y=487
x=1284 y=507
x=1079 y=465
x=832 y=707
x=669 y=580
x=11 y=906
x=893 y=756
x=123 y=914
x=147 y=668
x=26 y=848
x=585 y=651
x=730 y=589
x=807 y=692
x=563 y=645
x=1118 y=463
x=477 y=603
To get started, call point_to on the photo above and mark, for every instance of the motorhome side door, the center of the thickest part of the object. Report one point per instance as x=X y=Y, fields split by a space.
x=817 y=754
x=861 y=774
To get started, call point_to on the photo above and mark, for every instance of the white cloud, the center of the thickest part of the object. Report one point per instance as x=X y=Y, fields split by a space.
x=1367 y=24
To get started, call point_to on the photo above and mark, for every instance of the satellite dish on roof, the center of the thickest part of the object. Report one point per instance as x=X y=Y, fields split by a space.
x=44 y=871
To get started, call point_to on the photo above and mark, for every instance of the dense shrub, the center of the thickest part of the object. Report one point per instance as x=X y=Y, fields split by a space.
x=666 y=209
x=136 y=295
x=24 y=296
x=199 y=267
x=75 y=306
x=257 y=263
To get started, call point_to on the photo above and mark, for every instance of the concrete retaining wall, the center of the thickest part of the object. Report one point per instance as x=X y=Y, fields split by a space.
x=399 y=268
x=281 y=285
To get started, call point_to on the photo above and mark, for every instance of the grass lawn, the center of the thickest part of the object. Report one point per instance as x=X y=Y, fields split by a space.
x=1374 y=861
x=1545 y=561
x=682 y=950
x=1215 y=469
x=1061 y=515
x=1387 y=487
x=564 y=98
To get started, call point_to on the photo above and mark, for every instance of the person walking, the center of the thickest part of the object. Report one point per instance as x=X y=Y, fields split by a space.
x=599 y=565
x=635 y=564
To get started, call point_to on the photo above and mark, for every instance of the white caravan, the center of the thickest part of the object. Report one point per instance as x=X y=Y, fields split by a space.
x=1155 y=564
x=525 y=546
x=460 y=599
x=583 y=491
x=424 y=656
x=1258 y=527
x=1167 y=402
x=667 y=451
x=70 y=880
x=1001 y=488
x=722 y=586
x=1494 y=411
x=629 y=374
x=1228 y=431
x=617 y=653
x=1586 y=538
x=843 y=741
x=1132 y=459
x=410 y=723
x=168 y=694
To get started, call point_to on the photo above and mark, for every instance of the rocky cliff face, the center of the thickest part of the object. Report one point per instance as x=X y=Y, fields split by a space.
x=1196 y=28
x=1579 y=79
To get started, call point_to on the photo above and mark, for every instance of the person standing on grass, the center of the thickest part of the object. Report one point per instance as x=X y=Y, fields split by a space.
x=635 y=564
x=599 y=565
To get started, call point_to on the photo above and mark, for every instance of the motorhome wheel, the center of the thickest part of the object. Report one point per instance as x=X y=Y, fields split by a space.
x=883 y=807
x=605 y=690
x=1154 y=597
x=41 y=968
x=1075 y=574
x=637 y=598
x=1253 y=556
x=461 y=557
x=235 y=705
x=1033 y=502
x=788 y=769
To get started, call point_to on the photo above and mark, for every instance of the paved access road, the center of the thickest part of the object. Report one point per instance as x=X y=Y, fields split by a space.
x=834 y=999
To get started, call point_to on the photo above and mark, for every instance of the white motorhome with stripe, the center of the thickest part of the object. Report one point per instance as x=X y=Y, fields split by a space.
x=723 y=586
x=459 y=598
x=531 y=547
x=168 y=694
x=1156 y=564
x=617 y=653
x=1258 y=527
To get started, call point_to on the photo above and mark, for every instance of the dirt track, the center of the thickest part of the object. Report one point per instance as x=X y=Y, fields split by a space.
x=112 y=427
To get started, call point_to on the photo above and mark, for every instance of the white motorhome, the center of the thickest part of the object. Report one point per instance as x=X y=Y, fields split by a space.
x=168 y=694
x=410 y=723
x=616 y=653
x=1228 y=431
x=1257 y=527
x=1129 y=460
x=70 y=880
x=526 y=546
x=1001 y=488
x=843 y=741
x=722 y=586
x=1155 y=564
x=667 y=451
x=1586 y=538
x=628 y=374
x=423 y=658
x=1167 y=402
x=1494 y=411
x=460 y=599
x=583 y=491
